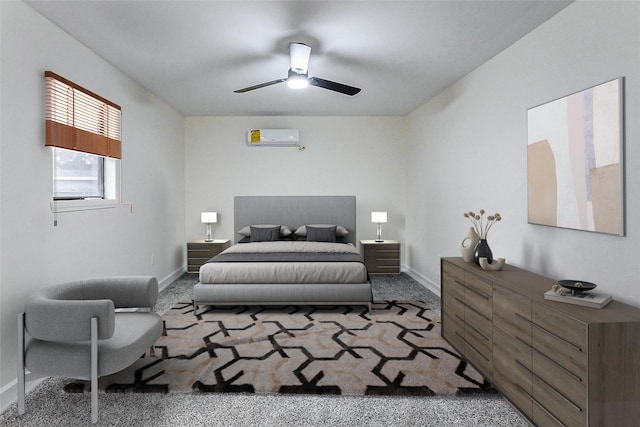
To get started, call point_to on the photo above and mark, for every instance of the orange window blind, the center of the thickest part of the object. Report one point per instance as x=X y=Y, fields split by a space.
x=78 y=119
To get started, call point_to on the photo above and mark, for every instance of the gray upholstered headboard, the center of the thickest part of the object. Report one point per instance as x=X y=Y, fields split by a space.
x=294 y=211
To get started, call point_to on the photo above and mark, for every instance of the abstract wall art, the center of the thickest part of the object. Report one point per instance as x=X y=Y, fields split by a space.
x=575 y=160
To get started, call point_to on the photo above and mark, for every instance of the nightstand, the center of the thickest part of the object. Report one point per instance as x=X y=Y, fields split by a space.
x=381 y=257
x=199 y=252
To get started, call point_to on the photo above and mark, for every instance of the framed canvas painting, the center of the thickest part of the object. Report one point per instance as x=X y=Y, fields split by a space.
x=575 y=160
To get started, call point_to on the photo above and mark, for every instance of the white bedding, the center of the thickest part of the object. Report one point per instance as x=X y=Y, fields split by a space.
x=286 y=272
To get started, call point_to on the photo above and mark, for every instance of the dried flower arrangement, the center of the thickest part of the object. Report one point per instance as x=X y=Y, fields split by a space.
x=480 y=224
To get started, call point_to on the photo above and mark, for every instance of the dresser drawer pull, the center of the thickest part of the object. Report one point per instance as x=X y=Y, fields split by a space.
x=476 y=350
x=199 y=250
x=546 y=411
x=387 y=259
x=560 y=395
x=524 y=366
x=524 y=391
x=482 y=295
x=385 y=251
x=524 y=342
x=575 y=347
x=565 y=370
x=472 y=309
x=486 y=338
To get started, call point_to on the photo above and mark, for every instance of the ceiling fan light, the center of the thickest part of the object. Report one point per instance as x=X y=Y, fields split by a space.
x=297 y=82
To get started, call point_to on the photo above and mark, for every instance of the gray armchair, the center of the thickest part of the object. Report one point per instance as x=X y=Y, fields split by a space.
x=76 y=332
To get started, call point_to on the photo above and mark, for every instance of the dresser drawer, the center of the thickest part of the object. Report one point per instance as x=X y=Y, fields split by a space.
x=478 y=303
x=477 y=320
x=453 y=330
x=569 y=330
x=479 y=353
x=565 y=346
x=510 y=387
x=572 y=386
x=512 y=357
x=479 y=286
x=382 y=250
x=512 y=313
x=452 y=273
x=556 y=406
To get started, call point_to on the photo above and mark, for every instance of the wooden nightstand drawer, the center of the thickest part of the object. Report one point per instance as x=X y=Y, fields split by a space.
x=381 y=257
x=382 y=250
x=199 y=252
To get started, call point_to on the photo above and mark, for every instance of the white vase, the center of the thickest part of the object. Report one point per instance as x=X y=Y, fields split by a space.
x=468 y=245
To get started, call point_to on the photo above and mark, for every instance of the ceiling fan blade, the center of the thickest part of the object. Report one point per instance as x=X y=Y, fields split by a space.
x=299 y=54
x=261 y=85
x=338 y=87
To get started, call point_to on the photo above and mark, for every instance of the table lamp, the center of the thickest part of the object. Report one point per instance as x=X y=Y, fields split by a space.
x=209 y=218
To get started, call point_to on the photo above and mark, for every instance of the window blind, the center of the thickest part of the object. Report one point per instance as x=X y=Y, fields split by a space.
x=78 y=119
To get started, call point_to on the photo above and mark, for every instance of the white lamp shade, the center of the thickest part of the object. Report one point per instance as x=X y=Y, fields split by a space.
x=378 y=217
x=209 y=217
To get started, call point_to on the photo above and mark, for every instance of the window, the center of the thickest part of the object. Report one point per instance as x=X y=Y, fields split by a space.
x=77 y=175
x=83 y=130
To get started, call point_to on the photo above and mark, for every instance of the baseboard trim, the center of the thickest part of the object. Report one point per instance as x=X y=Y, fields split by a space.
x=9 y=393
x=175 y=275
x=423 y=280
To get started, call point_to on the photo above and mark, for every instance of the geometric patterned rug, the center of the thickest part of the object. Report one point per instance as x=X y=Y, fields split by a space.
x=396 y=349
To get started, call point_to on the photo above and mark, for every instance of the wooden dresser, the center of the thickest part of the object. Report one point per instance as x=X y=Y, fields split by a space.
x=558 y=364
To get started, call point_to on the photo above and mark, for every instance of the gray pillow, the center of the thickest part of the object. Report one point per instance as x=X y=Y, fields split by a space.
x=246 y=231
x=321 y=234
x=265 y=234
x=340 y=230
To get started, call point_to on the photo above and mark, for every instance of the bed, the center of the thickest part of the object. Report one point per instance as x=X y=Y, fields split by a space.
x=290 y=270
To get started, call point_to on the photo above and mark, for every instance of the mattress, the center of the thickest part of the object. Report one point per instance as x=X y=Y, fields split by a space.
x=298 y=262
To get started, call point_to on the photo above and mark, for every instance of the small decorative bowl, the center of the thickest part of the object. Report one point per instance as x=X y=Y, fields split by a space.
x=577 y=287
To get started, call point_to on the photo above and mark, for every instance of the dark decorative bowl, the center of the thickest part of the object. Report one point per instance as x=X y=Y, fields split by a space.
x=577 y=287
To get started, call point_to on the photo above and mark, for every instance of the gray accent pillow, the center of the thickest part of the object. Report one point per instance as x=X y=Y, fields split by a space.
x=340 y=230
x=246 y=231
x=265 y=234
x=321 y=234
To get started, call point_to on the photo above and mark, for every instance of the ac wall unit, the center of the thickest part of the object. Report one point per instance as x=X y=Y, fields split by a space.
x=273 y=138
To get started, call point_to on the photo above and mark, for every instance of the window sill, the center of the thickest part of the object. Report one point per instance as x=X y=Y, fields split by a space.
x=82 y=205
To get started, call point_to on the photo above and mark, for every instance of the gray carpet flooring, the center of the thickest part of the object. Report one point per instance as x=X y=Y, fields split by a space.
x=49 y=405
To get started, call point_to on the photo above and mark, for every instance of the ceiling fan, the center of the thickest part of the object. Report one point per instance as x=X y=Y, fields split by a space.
x=298 y=74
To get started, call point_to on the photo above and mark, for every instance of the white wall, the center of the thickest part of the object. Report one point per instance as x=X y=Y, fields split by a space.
x=115 y=241
x=467 y=149
x=344 y=156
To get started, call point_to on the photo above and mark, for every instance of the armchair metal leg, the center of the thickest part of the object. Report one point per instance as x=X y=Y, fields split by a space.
x=21 y=378
x=94 y=370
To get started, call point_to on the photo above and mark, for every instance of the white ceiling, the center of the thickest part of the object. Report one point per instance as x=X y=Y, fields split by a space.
x=194 y=54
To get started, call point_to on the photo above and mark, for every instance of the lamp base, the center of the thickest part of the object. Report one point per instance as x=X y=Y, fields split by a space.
x=208 y=240
x=378 y=241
